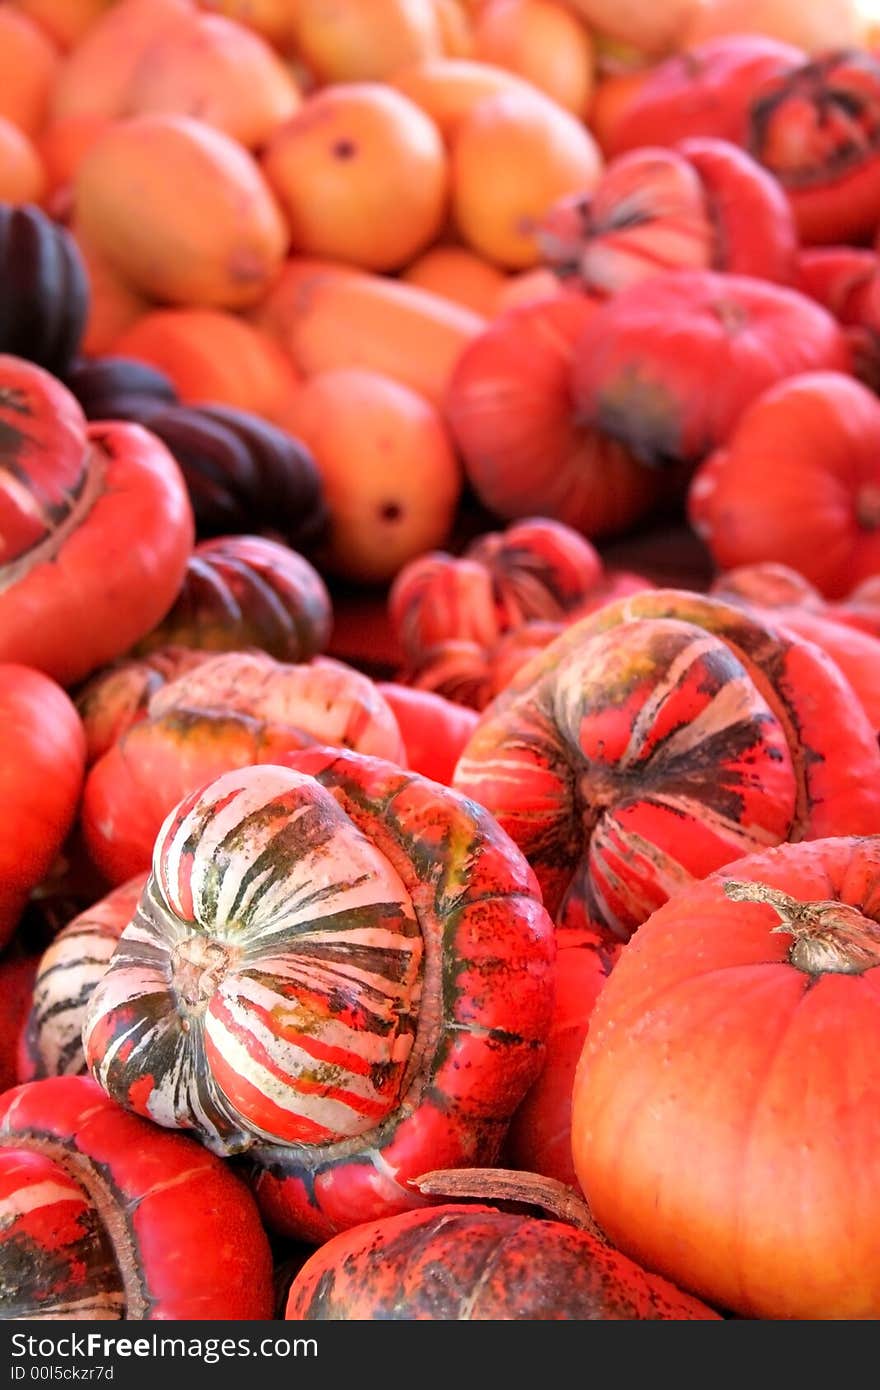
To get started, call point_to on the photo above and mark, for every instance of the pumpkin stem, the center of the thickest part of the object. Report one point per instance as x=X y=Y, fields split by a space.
x=510 y=1185
x=830 y=937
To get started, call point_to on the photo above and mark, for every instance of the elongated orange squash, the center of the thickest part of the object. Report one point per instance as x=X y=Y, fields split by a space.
x=329 y=316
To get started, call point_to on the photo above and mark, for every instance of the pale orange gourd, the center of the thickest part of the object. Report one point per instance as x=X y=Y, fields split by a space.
x=326 y=316
x=182 y=211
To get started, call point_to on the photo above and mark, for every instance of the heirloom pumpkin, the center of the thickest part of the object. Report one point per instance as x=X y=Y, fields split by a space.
x=343 y=970
x=815 y=128
x=667 y=367
x=846 y=281
x=68 y=971
x=105 y=1216
x=726 y=1108
x=703 y=204
x=118 y=695
x=476 y=1263
x=96 y=529
x=798 y=483
x=231 y=711
x=466 y=622
x=514 y=419
x=660 y=738
x=706 y=90
x=536 y=568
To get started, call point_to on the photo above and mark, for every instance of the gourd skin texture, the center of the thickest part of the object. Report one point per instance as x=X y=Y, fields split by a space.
x=338 y=967
x=725 y=1122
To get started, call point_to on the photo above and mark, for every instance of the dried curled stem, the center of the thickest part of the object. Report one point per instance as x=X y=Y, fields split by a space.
x=830 y=937
x=510 y=1185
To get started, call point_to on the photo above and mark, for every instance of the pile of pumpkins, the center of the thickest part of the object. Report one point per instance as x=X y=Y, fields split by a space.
x=533 y=979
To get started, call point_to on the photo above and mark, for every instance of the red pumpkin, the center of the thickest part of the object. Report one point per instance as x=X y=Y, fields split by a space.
x=539 y=1137
x=769 y=585
x=434 y=729
x=514 y=419
x=705 y=91
x=667 y=367
x=856 y=653
x=817 y=129
x=343 y=970
x=726 y=1108
x=231 y=711
x=119 y=695
x=465 y=623
x=95 y=524
x=42 y=762
x=104 y=1216
x=475 y=1263
x=798 y=483
x=660 y=738
x=18 y=971
x=703 y=204
x=846 y=280
x=535 y=568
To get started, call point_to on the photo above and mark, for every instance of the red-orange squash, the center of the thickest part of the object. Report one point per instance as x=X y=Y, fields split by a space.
x=42 y=762
x=667 y=366
x=798 y=483
x=105 y=1217
x=660 y=738
x=817 y=129
x=96 y=529
x=702 y=204
x=513 y=415
x=726 y=1108
x=231 y=711
x=476 y=1263
x=706 y=90
x=343 y=971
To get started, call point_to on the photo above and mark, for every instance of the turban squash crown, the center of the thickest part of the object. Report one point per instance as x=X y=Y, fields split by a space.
x=338 y=968
x=659 y=739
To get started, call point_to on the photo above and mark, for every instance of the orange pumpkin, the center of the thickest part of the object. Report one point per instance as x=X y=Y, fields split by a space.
x=22 y=176
x=513 y=156
x=391 y=478
x=364 y=40
x=726 y=1107
x=361 y=174
x=448 y=89
x=29 y=62
x=212 y=355
x=218 y=70
x=542 y=41
x=455 y=273
x=95 y=74
x=64 y=21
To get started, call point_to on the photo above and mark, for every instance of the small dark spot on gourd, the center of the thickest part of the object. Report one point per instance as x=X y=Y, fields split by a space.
x=344 y=149
x=391 y=511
